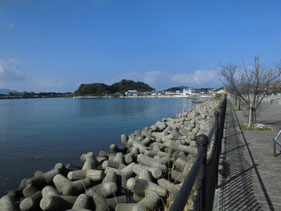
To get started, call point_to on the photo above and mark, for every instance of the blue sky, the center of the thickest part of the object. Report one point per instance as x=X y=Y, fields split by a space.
x=55 y=45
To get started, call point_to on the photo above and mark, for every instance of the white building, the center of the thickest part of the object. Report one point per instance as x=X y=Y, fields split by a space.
x=187 y=92
x=132 y=93
x=219 y=91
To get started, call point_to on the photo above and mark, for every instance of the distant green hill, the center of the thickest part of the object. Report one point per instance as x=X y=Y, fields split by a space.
x=177 y=88
x=100 y=89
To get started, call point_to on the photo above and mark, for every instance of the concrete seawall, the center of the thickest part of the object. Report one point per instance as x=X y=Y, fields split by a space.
x=148 y=167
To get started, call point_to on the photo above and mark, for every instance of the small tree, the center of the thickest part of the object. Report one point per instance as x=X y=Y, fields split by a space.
x=250 y=84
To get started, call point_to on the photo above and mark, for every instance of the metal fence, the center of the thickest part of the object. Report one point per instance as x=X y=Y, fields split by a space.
x=275 y=142
x=204 y=171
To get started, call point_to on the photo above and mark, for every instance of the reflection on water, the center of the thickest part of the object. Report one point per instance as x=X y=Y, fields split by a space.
x=105 y=107
x=60 y=130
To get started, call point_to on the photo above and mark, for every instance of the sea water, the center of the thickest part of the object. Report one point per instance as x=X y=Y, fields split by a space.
x=35 y=134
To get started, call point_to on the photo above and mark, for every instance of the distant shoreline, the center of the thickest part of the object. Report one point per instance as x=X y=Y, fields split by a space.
x=16 y=98
x=99 y=97
x=130 y=97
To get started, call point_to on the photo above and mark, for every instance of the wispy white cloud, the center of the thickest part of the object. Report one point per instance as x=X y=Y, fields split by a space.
x=149 y=77
x=164 y=80
x=14 y=61
x=40 y=84
x=48 y=83
x=8 y=70
x=197 y=78
x=12 y=78
x=11 y=26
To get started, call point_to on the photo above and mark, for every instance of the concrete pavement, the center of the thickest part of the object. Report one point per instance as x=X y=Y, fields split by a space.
x=250 y=175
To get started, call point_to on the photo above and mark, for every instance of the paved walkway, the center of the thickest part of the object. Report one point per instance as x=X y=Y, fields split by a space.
x=251 y=176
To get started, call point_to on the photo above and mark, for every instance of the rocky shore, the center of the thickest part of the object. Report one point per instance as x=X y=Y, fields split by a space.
x=148 y=167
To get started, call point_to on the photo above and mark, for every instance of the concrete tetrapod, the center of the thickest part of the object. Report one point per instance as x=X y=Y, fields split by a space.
x=49 y=175
x=105 y=189
x=51 y=200
x=100 y=202
x=141 y=187
x=156 y=172
x=7 y=203
x=31 y=203
x=66 y=187
x=82 y=202
x=90 y=161
x=91 y=174
x=149 y=202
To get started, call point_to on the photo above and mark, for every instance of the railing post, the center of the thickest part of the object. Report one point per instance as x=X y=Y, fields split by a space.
x=203 y=170
x=218 y=131
x=218 y=140
x=202 y=142
x=274 y=148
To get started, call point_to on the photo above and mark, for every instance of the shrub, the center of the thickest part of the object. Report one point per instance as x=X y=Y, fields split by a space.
x=218 y=96
x=257 y=126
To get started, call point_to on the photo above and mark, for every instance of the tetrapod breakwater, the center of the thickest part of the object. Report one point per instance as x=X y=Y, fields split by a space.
x=141 y=174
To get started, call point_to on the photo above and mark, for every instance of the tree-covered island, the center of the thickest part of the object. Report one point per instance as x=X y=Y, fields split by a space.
x=114 y=90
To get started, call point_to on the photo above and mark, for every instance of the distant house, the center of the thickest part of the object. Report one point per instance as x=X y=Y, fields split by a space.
x=219 y=91
x=187 y=92
x=167 y=93
x=132 y=93
x=151 y=93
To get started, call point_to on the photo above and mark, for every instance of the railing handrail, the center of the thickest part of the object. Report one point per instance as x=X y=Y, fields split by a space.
x=200 y=164
x=181 y=199
x=276 y=138
x=212 y=130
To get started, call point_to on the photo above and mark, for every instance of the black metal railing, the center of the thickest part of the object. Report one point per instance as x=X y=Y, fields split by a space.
x=204 y=170
x=275 y=142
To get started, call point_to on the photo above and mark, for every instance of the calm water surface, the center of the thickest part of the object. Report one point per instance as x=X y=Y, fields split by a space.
x=61 y=129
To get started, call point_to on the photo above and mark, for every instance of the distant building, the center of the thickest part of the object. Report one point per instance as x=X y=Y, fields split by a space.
x=188 y=92
x=219 y=91
x=168 y=93
x=151 y=93
x=132 y=93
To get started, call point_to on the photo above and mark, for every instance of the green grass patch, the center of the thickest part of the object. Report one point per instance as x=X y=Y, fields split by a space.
x=238 y=110
x=218 y=96
x=256 y=126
